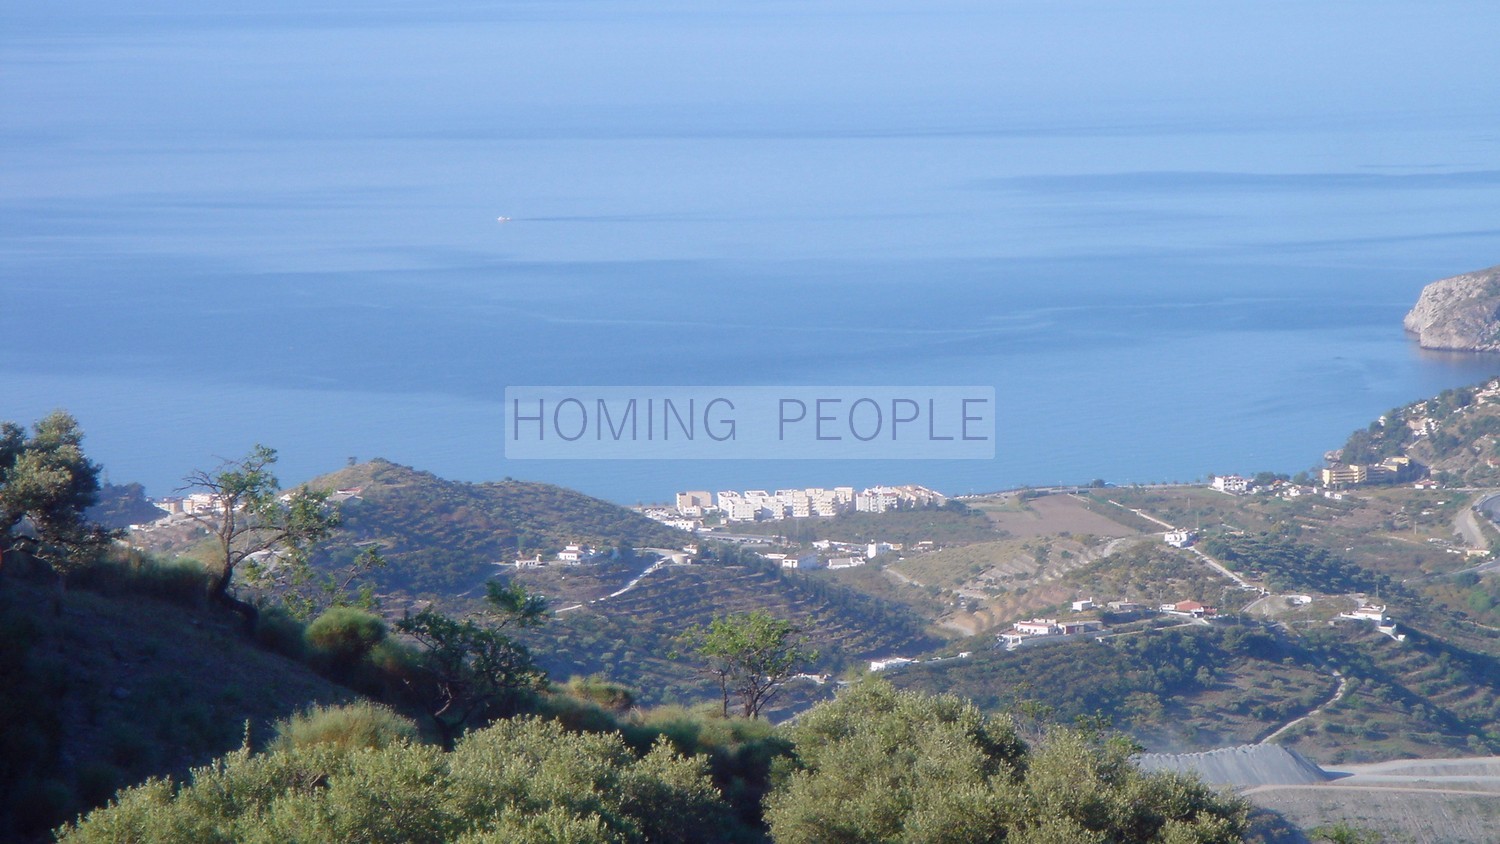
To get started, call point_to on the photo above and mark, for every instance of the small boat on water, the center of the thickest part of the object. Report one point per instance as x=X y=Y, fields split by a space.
x=502 y=219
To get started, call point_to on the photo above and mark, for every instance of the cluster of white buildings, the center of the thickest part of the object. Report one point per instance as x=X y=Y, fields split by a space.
x=206 y=502
x=832 y=555
x=1048 y=631
x=573 y=554
x=1376 y=613
x=1334 y=479
x=190 y=505
x=761 y=505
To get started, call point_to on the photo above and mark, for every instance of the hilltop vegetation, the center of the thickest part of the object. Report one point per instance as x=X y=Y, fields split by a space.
x=1456 y=434
x=1421 y=697
x=632 y=638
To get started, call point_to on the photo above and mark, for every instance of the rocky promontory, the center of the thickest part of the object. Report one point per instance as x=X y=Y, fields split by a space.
x=1461 y=313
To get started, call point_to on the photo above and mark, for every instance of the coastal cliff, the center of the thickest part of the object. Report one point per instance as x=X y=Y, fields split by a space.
x=1461 y=313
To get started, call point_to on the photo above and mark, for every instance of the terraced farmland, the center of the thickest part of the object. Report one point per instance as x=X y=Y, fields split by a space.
x=632 y=637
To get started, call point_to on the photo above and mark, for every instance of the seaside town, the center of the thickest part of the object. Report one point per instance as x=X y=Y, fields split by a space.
x=696 y=510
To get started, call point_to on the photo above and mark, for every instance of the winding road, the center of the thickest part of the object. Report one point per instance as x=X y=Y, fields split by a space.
x=1338 y=695
x=661 y=562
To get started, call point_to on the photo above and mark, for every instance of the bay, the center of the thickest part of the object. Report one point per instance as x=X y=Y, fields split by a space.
x=1177 y=240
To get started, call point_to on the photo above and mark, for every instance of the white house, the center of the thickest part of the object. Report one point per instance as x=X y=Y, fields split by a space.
x=893 y=662
x=1044 y=631
x=1038 y=627
x=1192 y=609
x=736 y=507
x=1368 y=612
x=802 y=563
x=1178 y=538
x=845 y=562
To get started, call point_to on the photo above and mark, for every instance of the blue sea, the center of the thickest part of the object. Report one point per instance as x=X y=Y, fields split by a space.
x=1176 y=238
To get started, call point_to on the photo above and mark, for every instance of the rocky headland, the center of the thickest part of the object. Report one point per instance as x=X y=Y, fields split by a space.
x=1461 y=313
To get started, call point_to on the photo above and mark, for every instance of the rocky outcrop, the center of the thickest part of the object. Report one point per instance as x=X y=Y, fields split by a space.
x=1461 y=313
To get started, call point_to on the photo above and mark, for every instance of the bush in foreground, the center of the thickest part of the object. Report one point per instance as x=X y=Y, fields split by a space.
x=875 y=765
x=881 y=765
x=523 y=780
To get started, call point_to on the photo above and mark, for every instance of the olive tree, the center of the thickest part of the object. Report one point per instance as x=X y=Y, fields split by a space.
x=749 y=655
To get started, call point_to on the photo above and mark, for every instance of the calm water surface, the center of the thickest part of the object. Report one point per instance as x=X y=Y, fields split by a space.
x=1176 y=239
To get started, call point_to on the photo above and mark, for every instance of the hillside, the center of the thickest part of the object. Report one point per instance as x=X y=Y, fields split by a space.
x=1190 y=687
x=443 y=537
x=117 y=689
x=1455 y=435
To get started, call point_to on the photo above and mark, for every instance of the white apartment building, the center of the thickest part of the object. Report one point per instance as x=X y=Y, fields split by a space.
x=1233 y=484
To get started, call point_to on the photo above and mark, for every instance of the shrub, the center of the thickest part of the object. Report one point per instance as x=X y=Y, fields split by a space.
x=598 y=690
x=343 y=636
x=575 y=714
x=517 y=781
x=903 y=766
x=359 y=725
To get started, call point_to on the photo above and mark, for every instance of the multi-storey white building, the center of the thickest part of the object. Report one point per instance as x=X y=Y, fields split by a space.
x=1233 y=484
x=736 y=507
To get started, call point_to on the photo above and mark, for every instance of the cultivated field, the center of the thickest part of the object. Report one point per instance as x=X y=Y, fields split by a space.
x=1050 y=515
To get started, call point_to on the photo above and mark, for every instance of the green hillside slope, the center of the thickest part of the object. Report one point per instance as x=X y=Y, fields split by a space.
x=444 y=537
x=118 y=688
